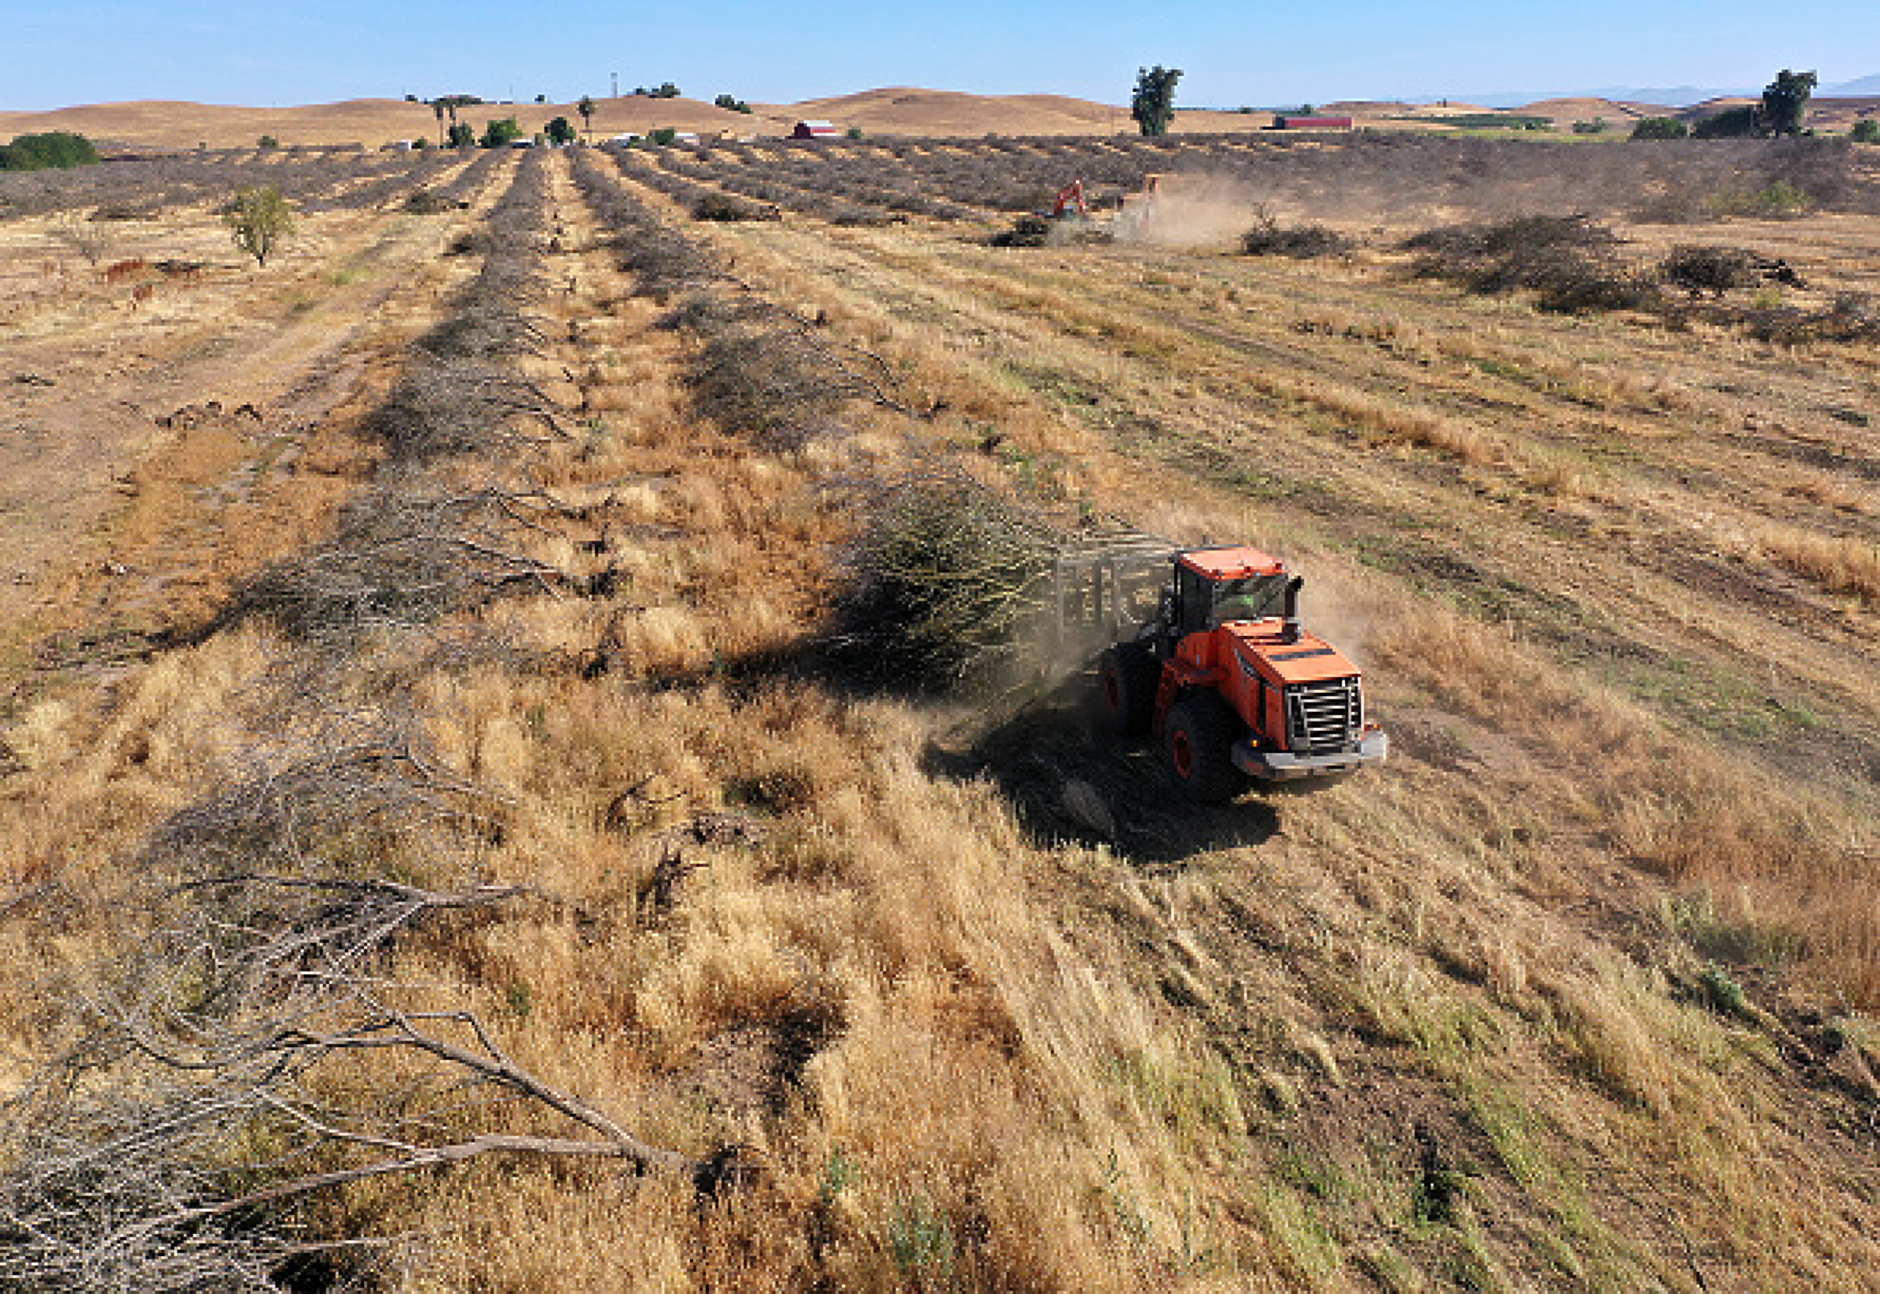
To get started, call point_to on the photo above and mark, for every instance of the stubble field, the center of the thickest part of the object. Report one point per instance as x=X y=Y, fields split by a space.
x=443 y=849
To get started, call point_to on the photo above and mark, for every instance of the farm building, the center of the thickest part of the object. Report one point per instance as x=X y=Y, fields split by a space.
x=815 y=130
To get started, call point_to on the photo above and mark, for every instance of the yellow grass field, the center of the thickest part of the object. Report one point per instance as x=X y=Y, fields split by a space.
x=901 y=111
x=443 y=850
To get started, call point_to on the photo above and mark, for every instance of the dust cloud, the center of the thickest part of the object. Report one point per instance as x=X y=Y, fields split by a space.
x=1191 y=211
x=1338 y=614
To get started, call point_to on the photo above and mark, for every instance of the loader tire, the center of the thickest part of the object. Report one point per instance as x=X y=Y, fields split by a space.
x=1127 y=677
x=1197 y=740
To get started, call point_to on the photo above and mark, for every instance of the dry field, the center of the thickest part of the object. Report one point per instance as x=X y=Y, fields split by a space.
x=903 y=111
x=442 y=850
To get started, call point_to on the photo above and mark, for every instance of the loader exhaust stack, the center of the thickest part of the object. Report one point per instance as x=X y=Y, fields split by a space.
x=1289 y=625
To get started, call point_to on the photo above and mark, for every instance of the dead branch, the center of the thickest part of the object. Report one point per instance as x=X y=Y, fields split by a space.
x=462 y=406
x=171 y=1148
x=403 y=560
x=350 y=788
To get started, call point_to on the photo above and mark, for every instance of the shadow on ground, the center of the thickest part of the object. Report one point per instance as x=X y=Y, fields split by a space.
x=1070 y=780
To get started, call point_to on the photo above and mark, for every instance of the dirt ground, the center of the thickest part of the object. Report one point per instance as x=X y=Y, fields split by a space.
x=113 y=381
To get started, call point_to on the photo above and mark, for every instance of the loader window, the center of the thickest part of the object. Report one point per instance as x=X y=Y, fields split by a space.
x=1197 y=601
x=1254 y=598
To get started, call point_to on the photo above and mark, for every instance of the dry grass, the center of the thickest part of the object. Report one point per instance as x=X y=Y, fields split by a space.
x=1844 y=564
x=1462 y=1021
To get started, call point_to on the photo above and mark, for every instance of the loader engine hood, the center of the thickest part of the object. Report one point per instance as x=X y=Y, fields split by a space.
x=1260 y=647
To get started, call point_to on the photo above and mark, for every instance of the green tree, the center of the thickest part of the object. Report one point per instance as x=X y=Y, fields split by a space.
x=731 y=104
x=1785 y=102
x=586 y=109
x=268 y=141
x=560 y=131
x=461 y=135
x=1659 y=128
x=259 y=220
x=503 y=130
x=1731 y=123
x=55 y=149
x=450 y=103
x=1153 y=103
x=1866 y=131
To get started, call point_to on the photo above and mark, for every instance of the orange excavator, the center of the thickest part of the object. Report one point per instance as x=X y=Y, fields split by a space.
x=1071 y=196
x=1207 y=653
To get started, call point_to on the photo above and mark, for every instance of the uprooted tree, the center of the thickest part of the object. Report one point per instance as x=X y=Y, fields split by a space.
x=946 y=584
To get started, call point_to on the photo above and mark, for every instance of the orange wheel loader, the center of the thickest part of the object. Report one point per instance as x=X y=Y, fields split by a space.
x=1206 y=653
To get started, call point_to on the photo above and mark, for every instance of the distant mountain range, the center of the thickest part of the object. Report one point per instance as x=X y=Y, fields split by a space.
x=1682 y=96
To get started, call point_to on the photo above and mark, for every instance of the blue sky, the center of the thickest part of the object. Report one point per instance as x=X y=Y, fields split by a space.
x=55 y=53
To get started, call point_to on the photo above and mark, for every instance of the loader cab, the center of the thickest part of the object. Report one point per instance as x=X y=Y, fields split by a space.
x=1216 y=585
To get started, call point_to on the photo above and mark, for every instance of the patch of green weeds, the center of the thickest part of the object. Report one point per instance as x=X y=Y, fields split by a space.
x=838 y=1174
x=520 y=999
x=1057 y=385
x=1309 y=1247
x=1721 y=701
x=1721 y=938
x=1577 y=1242
x=1778 y=199
x=1321 y=1178
x=920 y=1239
x=1503 y=369
x=1190 y=1093
x=1717 y=990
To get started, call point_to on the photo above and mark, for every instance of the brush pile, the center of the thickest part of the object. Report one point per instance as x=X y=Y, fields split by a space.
x=1570 y=263
x=949 y=583
x=1301 y=242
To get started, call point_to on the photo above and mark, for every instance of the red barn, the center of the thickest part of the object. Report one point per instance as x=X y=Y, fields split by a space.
x=1312 y=123
x=815 y=130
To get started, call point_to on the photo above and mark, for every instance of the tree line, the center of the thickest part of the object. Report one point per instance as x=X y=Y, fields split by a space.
x=1781 y=111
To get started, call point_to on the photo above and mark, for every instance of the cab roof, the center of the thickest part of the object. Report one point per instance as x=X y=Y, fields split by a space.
x=1231 y=563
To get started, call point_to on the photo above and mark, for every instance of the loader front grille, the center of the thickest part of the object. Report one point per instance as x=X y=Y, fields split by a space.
x=1322 y=718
